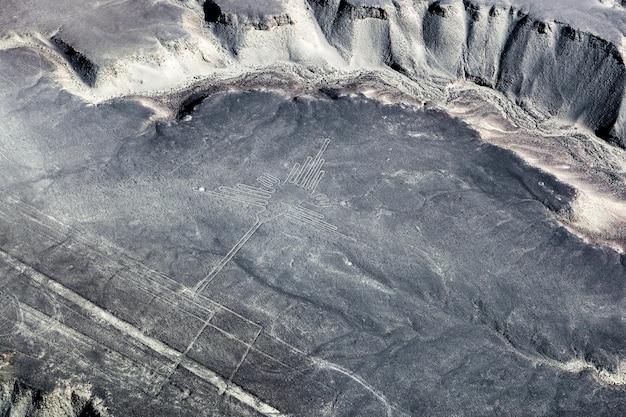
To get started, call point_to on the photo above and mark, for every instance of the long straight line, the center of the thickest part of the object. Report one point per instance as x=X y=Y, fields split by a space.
x=189 y=346
x=28 y=214
x=245 y=355
x=310 y=179
x=322 y=148
x=303 y=170
x=316 y=182
x=133 y=332
x=227 y=258
x=292 y=175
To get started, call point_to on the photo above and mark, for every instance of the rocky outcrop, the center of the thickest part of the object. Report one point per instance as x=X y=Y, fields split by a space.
x=360 y=12
x=248 y=30
x=548 y=68
x=350 y=9
x=20 y=400
x=83 y=66
x=359 y=31
x=214 y=13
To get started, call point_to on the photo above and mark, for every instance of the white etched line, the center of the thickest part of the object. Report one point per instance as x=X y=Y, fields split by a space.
x=272 y=178
x=322 y=148
x=327 y=227
x=318 y=224
x=234 y=192
x=268 y=181
x=245 y=355
x=256 y=192
x=133 y=332
x=79 y=341
x=174 y=304
x=305 y=167
x=320 y=175
x=311 y=172
x=302 y=370
x=309 y=168
x=305 y=216
x=160 y=369
x=10 y=313
x=311 y=219
x=238 y=199
x=306 y=176
x=231 y=253
x=313 y=176
x=177 y=363
x=231 y=192
x=292 y=174
x=265 y=182
x=23 y=207
x=107 y=251
x=248 y=200
x=323 y=364
x=307 y=211
x=316 y=166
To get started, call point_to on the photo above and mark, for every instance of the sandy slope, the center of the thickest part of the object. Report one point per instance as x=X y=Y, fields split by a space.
x=557 y=67
x=554 y=70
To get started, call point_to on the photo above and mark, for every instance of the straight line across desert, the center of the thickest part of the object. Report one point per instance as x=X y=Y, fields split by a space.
x=312 y=208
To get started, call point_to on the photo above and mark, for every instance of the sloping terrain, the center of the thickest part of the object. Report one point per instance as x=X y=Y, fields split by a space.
x=19 y=400
x=556 y=72
x=321 y=207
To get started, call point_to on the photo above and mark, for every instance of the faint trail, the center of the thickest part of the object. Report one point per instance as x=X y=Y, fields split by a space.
x=26 y=216
x=10 y=314
x=156 y=283
x=389 y=407
x=227 y=258
x=314 y=219
x=77 y=339
x=245 y=355
x=177 y=363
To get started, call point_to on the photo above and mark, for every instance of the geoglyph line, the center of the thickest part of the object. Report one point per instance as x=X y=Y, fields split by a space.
x=139 y=270
x=292 y=173
x=314 y=219
x=75 y=337
x=303 y=168
x=200 y=286
x=240 y=199
x=307 y=212
x=268 y=181
x=309 y=175
x=244 y=356
x=389 y=407
x=198 y=369
x=158 y=369
x=189 y=346
x=317 y=180
x=133 y=332
x=254 y=191
x=10 y=313
x=20 y=213
x=306 y=176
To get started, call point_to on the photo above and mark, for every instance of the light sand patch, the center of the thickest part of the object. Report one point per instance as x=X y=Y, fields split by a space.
x=576 y=157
